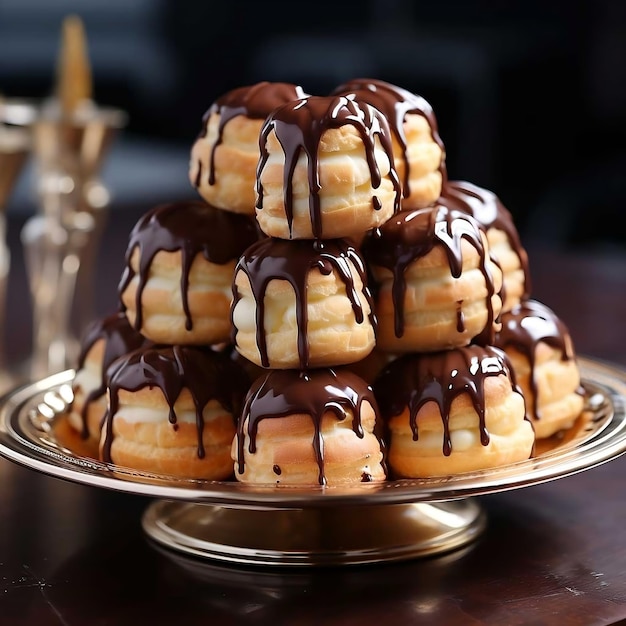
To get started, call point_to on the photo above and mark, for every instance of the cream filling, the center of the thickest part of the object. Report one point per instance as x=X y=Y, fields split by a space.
x=137 y=415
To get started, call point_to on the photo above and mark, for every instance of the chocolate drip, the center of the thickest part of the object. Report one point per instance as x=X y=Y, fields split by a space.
x=208 y=375
x=299 y=126
x=395 y=103
x=191 y=228
x=316 y=392
x=411 y=235
x=254 y=101
x=414 y=379
x=277 y=259
x=119 y=339
x=527 y=325
x=485 y=207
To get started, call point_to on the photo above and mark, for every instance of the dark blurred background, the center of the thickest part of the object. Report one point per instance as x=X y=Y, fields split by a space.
x=530 y=95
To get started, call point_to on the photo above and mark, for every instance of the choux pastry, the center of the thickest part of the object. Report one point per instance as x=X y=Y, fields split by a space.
x=302 y=304
x=176 y=286
x=172 y=411
x=435 y=283
x=307 y=428
x=326 y=170
x=418 y=150
x=504 y=241
x=224 y=157
x=543 y=358
x=453 y=411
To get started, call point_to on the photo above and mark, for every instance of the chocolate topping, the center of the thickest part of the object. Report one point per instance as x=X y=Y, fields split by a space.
x=271 y=259
x=119 y=339
x=414 y=379
x=525 y=326
x=208 y=375
x=412 y=234
x=299 y=126
x=489 y=211
x=254 y=101
x=288 y=392
x=395 y=103
x=191 y=228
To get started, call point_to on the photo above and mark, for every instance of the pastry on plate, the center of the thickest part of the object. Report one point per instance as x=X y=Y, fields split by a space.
x=452 y=411
x=418 y=150
x=308 y=428
x=326 y=170
x=176 y=285
x=435 y=285
x=302 y=304
x=543 y=358
x=172 y=411
x=224 y=157
x=105 y=340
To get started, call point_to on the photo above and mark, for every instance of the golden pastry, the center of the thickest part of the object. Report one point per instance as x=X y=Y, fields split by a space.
x=307 y=428
x=419 y=153
x=504 y=241
x=326 y=170
x=224 y=157
x=435 y=283
x=105 y=340
x=172 y=410
x=543 y=358
x=452 y=411
x=302 y=304
x=176 y=287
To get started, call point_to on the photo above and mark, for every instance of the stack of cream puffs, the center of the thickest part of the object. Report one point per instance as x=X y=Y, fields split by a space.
x=333 y=309
x=302 y=307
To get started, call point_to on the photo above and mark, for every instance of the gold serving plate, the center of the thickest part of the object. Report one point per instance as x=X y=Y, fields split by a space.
x=231 y=522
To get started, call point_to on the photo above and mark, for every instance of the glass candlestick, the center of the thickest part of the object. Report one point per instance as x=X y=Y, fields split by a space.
x=61 y=240
x=15 y=143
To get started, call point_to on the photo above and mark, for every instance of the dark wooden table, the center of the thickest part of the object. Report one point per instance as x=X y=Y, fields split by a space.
x=72 y=555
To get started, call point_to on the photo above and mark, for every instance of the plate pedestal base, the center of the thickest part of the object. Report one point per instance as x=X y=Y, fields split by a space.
x=314 y=536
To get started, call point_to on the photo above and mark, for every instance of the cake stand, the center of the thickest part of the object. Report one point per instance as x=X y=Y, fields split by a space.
x=273 y=525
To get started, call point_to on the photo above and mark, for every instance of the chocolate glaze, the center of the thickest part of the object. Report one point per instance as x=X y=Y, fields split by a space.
x=191 y=228
x=489 y=211
x=253 y=101
x=299 y=126
x=315 y=392
x=119 y=338
x=395 y=103
x=207 y=374
x=414 y=379
x=525 y=326
x=412 y=234
x=292 y=261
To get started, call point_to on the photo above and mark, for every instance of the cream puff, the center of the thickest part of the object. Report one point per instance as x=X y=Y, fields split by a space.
x=172 y=411
x=176 y=285
x=504 y=241
x=224 y=157
x=105 y=340
x=418 y=150
x=436 y=285
x=302 y=304
x=542 y=355
x=452 y=411
x=326 y=170
x=307 y=428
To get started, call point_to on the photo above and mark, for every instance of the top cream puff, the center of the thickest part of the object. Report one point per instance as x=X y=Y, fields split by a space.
x=326 y=170
x=224 y=157
x=419 y=152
